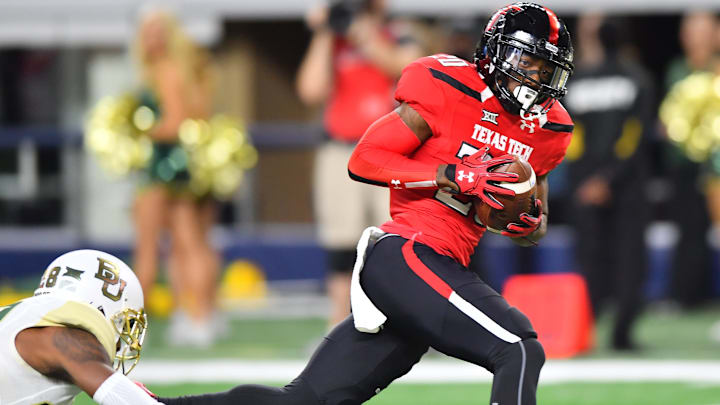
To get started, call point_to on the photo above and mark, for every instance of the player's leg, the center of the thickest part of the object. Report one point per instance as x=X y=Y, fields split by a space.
x=457 y=313
x=348 y=368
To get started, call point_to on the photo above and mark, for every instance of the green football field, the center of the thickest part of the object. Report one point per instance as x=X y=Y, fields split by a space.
x=665 y=336
x=464 y=394
x=662 y=333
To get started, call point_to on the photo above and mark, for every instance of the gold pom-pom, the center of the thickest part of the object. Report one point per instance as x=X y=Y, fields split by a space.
x=219 y=153
x=116 y=133
x=691 y=114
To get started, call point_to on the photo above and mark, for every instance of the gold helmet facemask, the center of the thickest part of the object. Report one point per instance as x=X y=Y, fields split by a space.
x=130 y=325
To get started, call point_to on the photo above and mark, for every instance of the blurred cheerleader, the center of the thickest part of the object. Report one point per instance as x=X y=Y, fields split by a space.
x=177 y=85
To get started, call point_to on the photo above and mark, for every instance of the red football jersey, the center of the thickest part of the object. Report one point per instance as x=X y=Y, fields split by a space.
x=464 y=116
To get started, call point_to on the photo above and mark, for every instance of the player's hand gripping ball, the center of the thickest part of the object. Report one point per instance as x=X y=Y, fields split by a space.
x=518 y=209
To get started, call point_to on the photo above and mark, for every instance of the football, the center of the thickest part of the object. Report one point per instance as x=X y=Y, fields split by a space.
x=523 y=201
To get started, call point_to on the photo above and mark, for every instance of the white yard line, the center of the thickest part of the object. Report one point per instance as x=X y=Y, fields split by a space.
x=434 y=371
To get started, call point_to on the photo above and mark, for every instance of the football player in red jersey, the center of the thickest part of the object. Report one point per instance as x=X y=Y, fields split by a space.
x=411 y=287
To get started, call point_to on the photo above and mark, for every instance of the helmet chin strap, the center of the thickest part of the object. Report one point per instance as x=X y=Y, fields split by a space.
x=526 y=96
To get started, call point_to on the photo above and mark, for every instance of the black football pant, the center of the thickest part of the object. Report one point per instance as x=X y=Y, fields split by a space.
x=430 y=300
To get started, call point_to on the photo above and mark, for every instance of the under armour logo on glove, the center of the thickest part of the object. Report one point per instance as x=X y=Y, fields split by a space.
x=462 y=176
x=473 y=176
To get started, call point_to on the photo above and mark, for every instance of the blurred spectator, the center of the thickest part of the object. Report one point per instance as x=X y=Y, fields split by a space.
x=176 y=85
x=355 y=55
x=461 y=36
x=713 y=168
x=699 y=41
x=610 y=100
x=691 y=263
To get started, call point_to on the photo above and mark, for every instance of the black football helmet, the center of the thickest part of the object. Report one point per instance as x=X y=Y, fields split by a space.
x=520 y=30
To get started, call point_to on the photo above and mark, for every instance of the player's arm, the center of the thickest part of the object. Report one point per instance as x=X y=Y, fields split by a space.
x=75 y=356
x=532 y=229
x=382 y=158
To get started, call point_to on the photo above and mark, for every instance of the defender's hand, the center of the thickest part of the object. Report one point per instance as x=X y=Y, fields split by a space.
x=473 y=176
x=529 y=223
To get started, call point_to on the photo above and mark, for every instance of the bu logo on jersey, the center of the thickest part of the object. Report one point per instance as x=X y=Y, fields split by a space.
x=489 y=116
x=461 y=176
x=395 y=184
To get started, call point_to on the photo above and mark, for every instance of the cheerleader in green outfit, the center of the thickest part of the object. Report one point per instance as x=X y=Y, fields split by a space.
x=177 y=81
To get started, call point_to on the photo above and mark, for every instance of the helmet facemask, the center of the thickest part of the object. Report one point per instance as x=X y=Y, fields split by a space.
x=130 y=326
x=538 y=86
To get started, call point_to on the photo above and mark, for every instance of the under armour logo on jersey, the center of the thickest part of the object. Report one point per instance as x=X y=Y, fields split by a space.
x=395 y=184
x=461 y=175
x=489 y=116
x=529 y=126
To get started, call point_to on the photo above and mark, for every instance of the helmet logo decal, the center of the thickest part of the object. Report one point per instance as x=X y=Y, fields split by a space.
x=108 y=273
x=554 y=26
x=500 y=13
x=74 y=273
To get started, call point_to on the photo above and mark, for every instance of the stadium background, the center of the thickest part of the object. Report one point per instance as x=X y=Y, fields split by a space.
x=58 y=58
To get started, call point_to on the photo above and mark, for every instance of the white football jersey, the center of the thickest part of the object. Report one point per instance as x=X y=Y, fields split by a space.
x=20 y=384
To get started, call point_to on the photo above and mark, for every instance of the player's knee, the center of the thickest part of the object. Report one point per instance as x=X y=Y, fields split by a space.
x=519 y=324
x=527 y=354
x=534 y=353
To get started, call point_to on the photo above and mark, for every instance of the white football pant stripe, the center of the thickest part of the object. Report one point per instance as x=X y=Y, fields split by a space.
x=479 y=317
